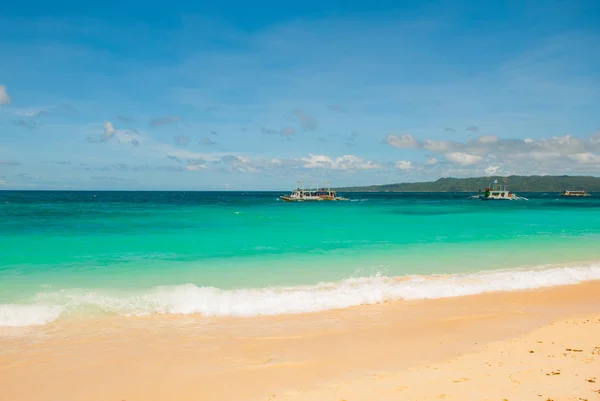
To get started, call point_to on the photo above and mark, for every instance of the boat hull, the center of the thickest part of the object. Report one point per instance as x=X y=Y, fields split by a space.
x=290 y=199
x=496 y=199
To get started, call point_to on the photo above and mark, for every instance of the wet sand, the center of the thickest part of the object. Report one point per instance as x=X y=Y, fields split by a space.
x=541 y=344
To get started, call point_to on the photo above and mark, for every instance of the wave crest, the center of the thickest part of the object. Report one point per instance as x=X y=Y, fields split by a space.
x=210 y=301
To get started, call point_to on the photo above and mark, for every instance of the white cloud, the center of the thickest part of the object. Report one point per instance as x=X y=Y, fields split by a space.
x=30 y=112
x=464 y=159
x=564 y=144
x=492 y=170
x=431 y=161
x=351 y=162
x=438 y=146
x=317 y=161
x=195 y=167
x=402 y=141
x=4 y=97
x=537 y=155
x=247 y=164
x=244 y=164
x=122 y=136
x=404 y=165
x=109 y=130
x=488 y=139
x=586 y=158
x=346 y=162
x=167 y=150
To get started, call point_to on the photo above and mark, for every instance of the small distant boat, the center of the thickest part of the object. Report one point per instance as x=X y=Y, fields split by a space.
x=312 y=195
x=497 y=192
x=575 y=194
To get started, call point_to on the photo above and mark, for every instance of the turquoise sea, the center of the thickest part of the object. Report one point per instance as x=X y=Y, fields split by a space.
x=70 y=254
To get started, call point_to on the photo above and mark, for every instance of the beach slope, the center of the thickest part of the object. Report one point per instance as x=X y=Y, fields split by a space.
x=526 y=345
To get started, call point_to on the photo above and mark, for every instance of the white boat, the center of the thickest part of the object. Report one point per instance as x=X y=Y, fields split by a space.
x=575 y=194
x=312 y=195
x=498 y=192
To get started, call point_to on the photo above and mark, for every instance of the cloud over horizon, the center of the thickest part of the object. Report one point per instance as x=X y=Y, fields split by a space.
x=509 y=156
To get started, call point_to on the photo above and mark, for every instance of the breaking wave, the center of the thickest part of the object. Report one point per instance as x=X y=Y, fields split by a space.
x=211 y=301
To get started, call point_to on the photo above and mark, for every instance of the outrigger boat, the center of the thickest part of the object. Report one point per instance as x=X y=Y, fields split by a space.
x=319 y=194
x=497 y=192
x=575 y=194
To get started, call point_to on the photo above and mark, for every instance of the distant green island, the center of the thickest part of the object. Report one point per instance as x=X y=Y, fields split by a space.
x=515 y=183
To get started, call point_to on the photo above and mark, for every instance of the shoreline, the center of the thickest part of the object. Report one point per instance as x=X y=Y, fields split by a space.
x=194 y=358
x=206 y=301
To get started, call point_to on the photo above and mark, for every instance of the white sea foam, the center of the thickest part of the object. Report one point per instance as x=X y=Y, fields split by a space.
x=210 y=301
x=28 y=315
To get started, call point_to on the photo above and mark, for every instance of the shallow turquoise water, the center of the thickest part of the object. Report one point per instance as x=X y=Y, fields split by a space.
x=131 y=242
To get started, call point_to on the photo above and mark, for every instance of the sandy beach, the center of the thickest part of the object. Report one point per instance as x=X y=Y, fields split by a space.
x=527 y=345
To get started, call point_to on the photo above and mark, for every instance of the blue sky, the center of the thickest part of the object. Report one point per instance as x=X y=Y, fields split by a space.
x=258 y=95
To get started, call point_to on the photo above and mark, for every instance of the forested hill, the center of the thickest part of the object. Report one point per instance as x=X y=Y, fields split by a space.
x=516 y=183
